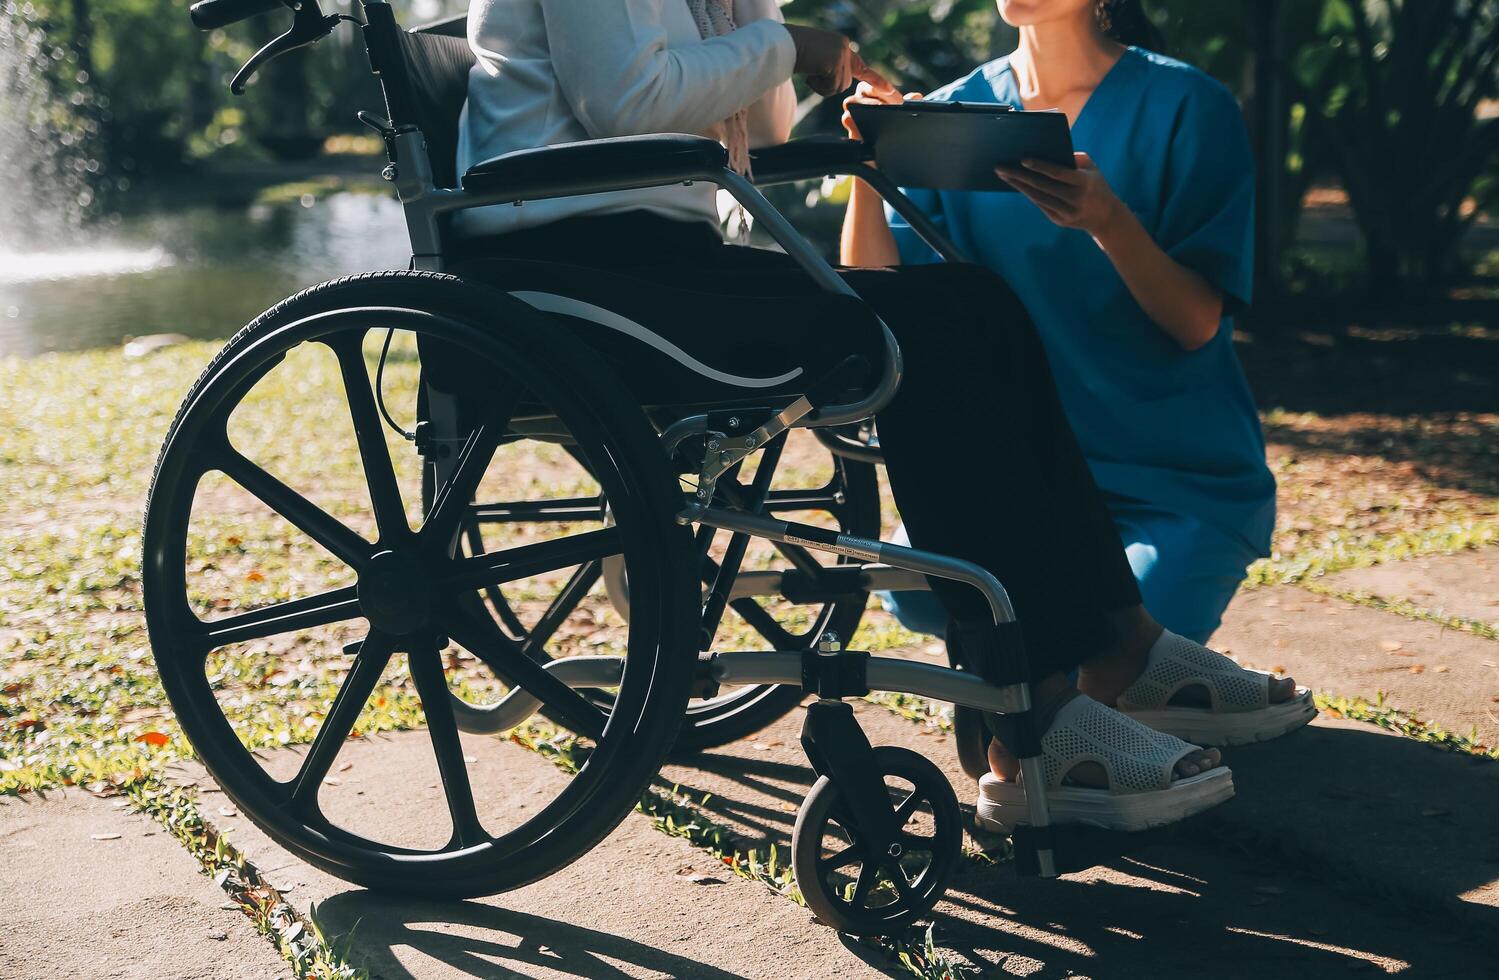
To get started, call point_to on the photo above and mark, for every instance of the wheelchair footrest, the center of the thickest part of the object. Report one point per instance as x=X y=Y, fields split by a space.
x=1075 y=847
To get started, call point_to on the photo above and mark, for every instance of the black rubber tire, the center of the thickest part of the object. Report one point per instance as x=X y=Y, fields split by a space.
x=662 y=643
x=945 y=848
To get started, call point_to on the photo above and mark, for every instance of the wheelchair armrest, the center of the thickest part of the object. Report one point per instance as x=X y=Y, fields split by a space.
x=597 y=166
x=805 y=159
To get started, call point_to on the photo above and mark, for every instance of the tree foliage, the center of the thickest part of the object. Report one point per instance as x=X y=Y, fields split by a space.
x=1385 y=95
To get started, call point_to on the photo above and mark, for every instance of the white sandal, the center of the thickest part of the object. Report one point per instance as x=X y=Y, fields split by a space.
x=1239 y=710
x=1139 y=763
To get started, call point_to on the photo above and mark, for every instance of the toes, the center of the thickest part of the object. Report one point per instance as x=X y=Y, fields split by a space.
x=1201 y=761
x=1282 y=689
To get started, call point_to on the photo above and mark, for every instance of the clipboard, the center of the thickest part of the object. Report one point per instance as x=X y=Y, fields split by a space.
x=957 y=145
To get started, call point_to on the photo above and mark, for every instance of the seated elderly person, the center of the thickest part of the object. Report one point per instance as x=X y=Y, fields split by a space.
x=977 y=404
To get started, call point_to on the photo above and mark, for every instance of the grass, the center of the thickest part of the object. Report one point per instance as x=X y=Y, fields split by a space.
x=1377 y=712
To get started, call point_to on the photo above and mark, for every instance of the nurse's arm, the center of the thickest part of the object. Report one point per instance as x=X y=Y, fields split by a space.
x=1181 y=302
x=867 y=241
x=1178 y=300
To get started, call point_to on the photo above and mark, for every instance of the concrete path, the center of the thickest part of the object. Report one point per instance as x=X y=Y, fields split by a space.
x=634 y=907
x=1347 y=848
x=641 y=904
x=91 y=890
x=1190 y=903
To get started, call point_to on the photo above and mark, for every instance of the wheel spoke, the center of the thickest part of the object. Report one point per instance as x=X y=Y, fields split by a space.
x=868 y=873
x=324 y=609
x=450 y=505
x=908 y=807
x=842 y=859
x=379 y=473
x=897 y=876
x=369 y=664
x=432 y=687
x=343 y=543
x=499 y=567
x=918 y=843
x=765 y=624
x=562 y=607
x=570 y=707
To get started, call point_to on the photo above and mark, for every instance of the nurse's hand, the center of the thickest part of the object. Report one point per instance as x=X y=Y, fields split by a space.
x=867 y=94
x=1079 y=198
x=829 y=62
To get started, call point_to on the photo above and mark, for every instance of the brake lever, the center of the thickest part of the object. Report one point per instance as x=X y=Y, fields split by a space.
x=309 y=26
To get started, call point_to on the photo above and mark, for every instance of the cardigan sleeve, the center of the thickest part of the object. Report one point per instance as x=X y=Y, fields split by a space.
x=620 y=77
x=770 y=119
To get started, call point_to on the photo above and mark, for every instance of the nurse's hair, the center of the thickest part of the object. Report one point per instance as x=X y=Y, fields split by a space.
x=1125 y=22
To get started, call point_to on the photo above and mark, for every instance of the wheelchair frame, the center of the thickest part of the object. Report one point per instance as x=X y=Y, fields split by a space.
x=837 y=747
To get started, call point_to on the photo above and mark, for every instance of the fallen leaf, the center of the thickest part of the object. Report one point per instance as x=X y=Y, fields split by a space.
x=705 y=880
x=1418 y=668
x=218 y=934
x=104 y=836
x=156 y=739
x=1442 y=669
x=255 y=575
x=1390 y=646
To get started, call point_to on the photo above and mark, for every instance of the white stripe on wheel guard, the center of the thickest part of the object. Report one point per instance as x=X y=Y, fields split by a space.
x=567 y=306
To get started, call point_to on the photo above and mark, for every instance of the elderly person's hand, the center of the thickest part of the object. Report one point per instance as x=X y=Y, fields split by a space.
x=868 y=94
x=830 y=63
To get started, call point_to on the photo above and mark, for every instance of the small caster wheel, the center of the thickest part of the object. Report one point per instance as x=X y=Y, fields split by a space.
x=972 y=738
x=853 y=890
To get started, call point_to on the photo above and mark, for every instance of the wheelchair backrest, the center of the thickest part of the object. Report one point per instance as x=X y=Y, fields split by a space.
x=437 y=59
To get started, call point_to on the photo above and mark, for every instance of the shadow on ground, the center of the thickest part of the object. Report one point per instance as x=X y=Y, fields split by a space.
x=1394 y=370
x=1346 y=847
x=490 y=941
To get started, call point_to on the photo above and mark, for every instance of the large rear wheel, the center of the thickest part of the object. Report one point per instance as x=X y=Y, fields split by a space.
x=297 y=591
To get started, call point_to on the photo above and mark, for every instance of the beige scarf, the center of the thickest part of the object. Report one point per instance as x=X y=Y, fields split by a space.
x=715 y=18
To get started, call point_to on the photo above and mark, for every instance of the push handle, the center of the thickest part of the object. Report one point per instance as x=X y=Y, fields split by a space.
x=210 y=14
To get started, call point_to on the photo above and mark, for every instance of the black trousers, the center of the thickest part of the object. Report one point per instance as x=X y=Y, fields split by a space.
x=981 y=460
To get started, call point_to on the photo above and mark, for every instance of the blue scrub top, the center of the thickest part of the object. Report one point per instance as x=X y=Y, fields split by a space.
x=1160 y=425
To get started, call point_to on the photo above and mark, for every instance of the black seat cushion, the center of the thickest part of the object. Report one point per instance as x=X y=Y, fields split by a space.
x=676 y=346
x=437 y=66
x=593 y=166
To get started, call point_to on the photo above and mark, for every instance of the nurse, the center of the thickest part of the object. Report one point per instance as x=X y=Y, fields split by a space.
x=1132 y=266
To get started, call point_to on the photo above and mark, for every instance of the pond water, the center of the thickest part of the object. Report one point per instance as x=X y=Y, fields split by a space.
x=200 y=270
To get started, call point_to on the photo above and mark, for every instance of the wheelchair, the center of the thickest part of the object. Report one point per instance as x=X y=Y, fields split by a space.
x=665 y=494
